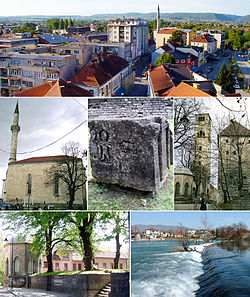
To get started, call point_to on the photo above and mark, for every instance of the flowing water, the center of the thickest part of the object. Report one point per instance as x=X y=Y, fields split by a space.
x=208 y=270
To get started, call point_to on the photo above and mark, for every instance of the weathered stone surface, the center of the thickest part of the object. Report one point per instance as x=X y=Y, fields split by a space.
x=131 y=152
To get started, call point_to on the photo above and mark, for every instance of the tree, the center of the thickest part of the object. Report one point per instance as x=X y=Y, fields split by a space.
x=69 y=170
x=65 y=24
x=176 y=36
x=165 y=58
x=44 y=229
x=61 y=24
x=71 y=24
x=225 y=78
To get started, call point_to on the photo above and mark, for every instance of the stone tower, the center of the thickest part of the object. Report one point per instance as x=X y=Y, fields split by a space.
x=15 y=129
x=158 y=19
x=202 y=151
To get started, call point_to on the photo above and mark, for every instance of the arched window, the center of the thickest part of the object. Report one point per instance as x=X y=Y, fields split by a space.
x=177 y=188
x=200 y=148
x=30 y=266
x=17 y=266
x=29 y=184
x=56 y=186
x=186 y=189
x=7 y=267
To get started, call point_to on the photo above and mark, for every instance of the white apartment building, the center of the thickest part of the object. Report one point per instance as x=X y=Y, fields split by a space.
x=20 y=71
x=134 y=31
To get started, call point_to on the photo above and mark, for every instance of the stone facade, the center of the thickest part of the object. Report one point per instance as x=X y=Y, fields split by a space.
x=17 y=188
x=202 y=150
x=234 y=164
x=131 y=152
x=130 y=107
x=24 y=264
x=184 y=185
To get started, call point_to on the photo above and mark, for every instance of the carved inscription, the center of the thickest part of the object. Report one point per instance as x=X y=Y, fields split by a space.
x=99 y=145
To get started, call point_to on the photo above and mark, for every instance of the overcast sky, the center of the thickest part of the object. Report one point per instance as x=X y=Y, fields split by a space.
x=79 y=7
x=190 y=219
x=42 y=121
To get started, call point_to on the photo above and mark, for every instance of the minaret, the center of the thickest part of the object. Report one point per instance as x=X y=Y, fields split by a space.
x=15 y=129
x=158 y=19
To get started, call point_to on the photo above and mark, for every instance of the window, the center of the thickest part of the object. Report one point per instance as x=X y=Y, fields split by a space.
x=14 y=72
x=186 y=189
x=29 y=184
x=57 y=267
x=65 y=267
x=121 y=266
x=234 y=152
x=104 y=265
x=111 y=266
x=45 y=265
x=38 y=74
x=76 y=52
x=79 y=266
x=177 y=188
x=26 y=73
x=30 y=267
x=74 y=267
x=7 y=267
x=52 y=75
x=201 y=119
x=183 y=61
x=56 y=186
x=28 y=84
x=17 y=266
x=200 y=148
x=226 y=140
x=227 y=152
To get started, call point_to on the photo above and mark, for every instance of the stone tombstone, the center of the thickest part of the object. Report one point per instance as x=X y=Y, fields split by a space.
x=131 y=152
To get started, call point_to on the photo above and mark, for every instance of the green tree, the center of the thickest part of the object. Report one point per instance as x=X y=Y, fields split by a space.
x=65 y=24
x=61 y=24
x=165 y=58
x=176 y=36
x=71 y=24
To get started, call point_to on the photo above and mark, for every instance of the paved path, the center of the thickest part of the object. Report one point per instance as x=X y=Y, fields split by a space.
x=192 y=207
x=20 y=292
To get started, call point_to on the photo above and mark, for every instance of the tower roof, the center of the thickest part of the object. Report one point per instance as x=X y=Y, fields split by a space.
x=235 y=129
x=16 y=109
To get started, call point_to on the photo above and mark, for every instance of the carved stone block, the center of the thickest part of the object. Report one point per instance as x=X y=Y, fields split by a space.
x=131 y=152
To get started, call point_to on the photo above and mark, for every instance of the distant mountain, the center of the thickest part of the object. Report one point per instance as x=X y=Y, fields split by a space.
x=142 y=228
x=178 y=16
x=245 y=19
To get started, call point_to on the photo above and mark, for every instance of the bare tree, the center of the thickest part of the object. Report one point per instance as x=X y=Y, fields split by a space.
x=70 y=170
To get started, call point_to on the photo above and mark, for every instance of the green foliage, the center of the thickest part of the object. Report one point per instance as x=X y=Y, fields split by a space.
x=27 y=27
x=61 y=24
x=71 y=24
x=53 y=24
x=225 y=77
x=165 y=58
x=66 y=23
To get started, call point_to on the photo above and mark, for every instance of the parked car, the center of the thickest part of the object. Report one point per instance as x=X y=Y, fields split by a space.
x=6 y=206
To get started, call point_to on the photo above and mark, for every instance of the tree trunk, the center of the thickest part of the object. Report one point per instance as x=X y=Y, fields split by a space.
x=48 y=248
x=85 y=233
x=118 y=253
x=71 y=198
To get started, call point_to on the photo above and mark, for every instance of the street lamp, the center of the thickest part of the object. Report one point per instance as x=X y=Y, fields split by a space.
x=12 y=263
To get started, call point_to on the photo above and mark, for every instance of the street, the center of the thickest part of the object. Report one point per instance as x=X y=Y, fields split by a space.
x=21 y=292
x=140 y=87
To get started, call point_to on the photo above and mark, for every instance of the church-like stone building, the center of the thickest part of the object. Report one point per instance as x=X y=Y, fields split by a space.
x=26 y=180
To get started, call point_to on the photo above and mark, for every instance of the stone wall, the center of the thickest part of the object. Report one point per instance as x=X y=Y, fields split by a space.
x=77 y=285
x=119 y=284
x=130 y=107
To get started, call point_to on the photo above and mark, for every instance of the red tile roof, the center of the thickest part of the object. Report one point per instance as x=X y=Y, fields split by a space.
x=161 y=80
x=100 y=71
x=42 y=159
x=59 y=88
x=167 y=31
x=206 y=38
x=185 y=90
x=166 y=48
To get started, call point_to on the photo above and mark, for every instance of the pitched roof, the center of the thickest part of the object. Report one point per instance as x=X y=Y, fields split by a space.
x=100 y=71
x=167 y=31
x=54 y=38
x=185 y=90
x=178 y=72
x=55 y=88
x=206 y=38
x=235 y=129
x=166 y=48
x=161 y=80
x=41 y=159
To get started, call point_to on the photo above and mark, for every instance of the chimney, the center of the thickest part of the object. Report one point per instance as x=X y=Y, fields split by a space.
x=196 y=85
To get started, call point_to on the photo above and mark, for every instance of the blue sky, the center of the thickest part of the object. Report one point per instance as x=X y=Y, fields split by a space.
x=79 y=7
x=190 y=219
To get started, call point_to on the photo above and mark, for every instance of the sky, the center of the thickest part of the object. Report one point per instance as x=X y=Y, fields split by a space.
x=190 y=219
x=42 y=121
x=79 y=7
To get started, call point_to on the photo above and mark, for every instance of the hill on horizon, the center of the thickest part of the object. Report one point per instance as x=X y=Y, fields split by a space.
x=177 y=16
x=142 y=228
